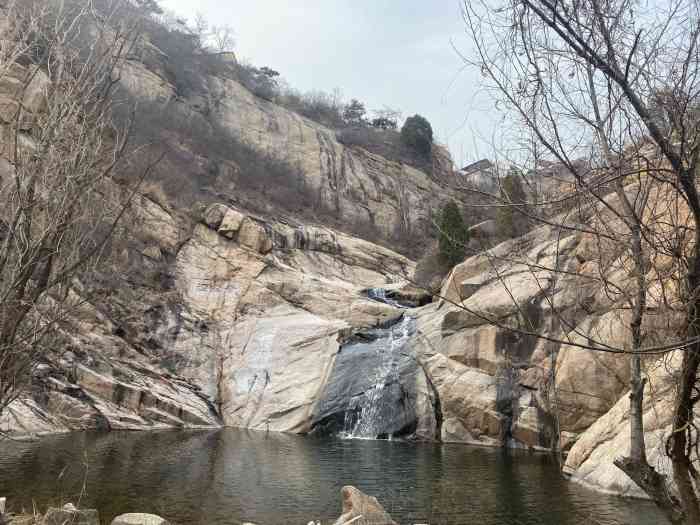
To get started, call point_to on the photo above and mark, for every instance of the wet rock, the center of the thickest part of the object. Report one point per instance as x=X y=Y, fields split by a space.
x=377 y=388
x=139 y=519
x=70 y=514
x=361 y=509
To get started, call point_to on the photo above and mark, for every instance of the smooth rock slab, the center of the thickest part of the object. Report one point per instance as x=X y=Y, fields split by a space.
x=137 y=518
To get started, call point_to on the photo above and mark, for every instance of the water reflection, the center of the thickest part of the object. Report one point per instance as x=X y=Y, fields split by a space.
x=231 y=476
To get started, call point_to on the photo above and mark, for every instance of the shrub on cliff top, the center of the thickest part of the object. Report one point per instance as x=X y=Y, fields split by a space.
x=417 y=134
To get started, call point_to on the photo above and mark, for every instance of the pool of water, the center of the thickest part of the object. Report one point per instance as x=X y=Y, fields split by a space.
x=231 y=476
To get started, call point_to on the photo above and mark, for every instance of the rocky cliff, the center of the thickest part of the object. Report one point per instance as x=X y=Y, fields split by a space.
x=349 y=188
x=261 y=320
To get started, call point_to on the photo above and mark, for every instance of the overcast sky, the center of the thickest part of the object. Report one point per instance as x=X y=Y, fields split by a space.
x=395 y=53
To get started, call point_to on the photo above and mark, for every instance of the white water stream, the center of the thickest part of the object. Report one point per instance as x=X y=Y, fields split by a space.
x=363 y=419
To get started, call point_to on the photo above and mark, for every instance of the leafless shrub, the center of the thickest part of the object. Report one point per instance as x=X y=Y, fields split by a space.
x=60 y=205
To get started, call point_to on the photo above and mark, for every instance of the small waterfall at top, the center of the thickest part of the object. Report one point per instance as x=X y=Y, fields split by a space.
x=379 y=294
x=367 y=413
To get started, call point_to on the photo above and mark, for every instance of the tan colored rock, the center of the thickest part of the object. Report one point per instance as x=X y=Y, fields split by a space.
x=391 y=195
x=231 y=223
x=145 y=84
x=139 y=519
x=361 y=509
x=253 y=236
x=477 y=348
x=153 y=252
x=214 y=214
x=468 y=397
x=589 y=383
x=156 y=224
x=273 y=381
x=453 y=431
x=591 y=460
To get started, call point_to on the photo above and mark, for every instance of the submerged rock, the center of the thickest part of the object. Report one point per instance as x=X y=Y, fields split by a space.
x=361 y=509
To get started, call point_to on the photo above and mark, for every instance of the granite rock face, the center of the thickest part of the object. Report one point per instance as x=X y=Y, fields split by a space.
x=361 y=189
x=263 y=321
x=247 y=334
x=495 y=385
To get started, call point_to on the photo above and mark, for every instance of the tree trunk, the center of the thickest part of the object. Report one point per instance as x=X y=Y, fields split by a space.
x=681 y=445
x=636 y=466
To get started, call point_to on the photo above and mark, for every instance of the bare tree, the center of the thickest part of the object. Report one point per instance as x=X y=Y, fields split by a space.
x=60 y=150
x=616 y=84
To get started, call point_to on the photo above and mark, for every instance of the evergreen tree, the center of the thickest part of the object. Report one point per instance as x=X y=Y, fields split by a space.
x=354 y=113
x=510 y=222
x=453 y=234
x=417 y=134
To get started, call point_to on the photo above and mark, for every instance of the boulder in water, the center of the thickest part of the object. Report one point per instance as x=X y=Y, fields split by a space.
x=70 y=514
x=361 y=509
x=136 y=518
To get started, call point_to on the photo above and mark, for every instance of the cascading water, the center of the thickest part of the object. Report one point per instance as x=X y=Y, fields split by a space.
x=371 y=392
x=365 y=415
x=379 y=295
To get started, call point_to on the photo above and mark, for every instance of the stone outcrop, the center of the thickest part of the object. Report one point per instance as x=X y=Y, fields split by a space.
x=283 y=333
x=361 y=509
x=591 y=459
x=247 y=334
x=363 y=190
x=493 y=384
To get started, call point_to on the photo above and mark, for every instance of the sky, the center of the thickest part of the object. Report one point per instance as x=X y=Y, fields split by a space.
x=386 y=53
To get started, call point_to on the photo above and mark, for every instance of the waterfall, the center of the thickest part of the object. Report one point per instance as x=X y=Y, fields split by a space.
x=366 y=414
x=379 y=295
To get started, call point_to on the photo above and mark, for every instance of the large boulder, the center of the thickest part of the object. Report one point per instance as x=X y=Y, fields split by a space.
x=591 y=460
x=361 y=509
x=589 y=383
x=253 y=235
x=231 y=223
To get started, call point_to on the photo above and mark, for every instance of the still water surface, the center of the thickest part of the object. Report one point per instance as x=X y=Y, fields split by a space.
x=230 y=476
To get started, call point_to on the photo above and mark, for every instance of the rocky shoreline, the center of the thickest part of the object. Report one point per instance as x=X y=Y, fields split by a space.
x=357 y=508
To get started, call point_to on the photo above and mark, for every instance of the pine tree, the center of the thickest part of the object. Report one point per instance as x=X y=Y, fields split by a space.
x=453 y=234
x=417 y=134
x=354 y=113
x=510 y=222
